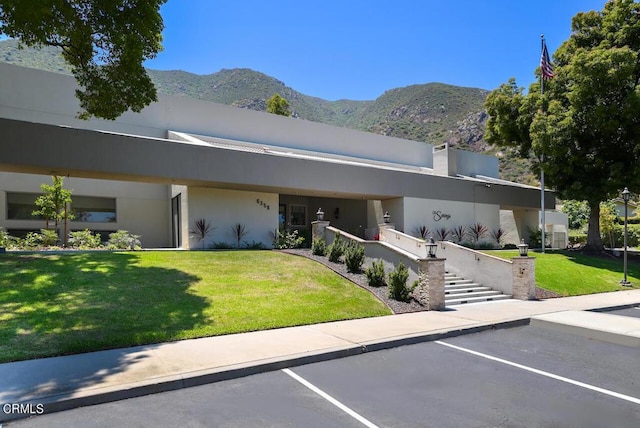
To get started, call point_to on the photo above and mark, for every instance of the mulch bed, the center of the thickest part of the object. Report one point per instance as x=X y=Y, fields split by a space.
x=382 y=293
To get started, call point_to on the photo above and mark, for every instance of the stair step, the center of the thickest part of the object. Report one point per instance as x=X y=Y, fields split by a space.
x=461 y=301
x=463 y=290
x=484 y=293
x=458 y=281
x=459 y=290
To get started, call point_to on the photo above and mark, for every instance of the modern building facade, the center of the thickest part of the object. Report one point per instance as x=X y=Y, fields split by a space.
x=180 y=160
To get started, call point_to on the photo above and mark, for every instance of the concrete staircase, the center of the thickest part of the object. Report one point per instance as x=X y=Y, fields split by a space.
x=458 y=291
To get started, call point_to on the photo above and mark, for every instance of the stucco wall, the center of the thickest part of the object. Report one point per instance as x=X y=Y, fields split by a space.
x=437 y=214
x=141 y=208
x=40 y=96
x=225 y=208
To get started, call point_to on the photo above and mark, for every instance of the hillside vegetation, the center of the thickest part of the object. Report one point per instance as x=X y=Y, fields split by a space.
x=434 y=112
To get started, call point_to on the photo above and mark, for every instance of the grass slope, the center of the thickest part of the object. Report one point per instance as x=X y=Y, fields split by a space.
x=571 y=273
x=60 y=304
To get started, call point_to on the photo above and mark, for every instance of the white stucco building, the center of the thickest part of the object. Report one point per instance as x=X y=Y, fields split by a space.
x=180 y=159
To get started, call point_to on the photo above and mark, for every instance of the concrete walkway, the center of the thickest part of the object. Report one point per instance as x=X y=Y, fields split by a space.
x=66 y=382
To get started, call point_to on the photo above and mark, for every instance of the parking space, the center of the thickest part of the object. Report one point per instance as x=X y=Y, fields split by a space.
x=518 y=377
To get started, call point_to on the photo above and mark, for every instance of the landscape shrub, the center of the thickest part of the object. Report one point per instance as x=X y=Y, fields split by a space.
x=84 y=239
x=633 y=236
x=123 y=240
x=398 y=289
x=354 y=257
x=577 y=238
x=48 y=237
x=375 y=274
x=285 y=239
x=253 y=245
x=319 y=247
x=30 y=241
x=4 y=238
x=221 y=245
x=335 y=249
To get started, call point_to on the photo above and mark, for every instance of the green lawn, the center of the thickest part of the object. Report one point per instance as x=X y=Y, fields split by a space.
x=570 y=273
x=69 y=303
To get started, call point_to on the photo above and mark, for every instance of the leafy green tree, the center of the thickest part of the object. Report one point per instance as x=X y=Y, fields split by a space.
x=54 y=203
x=585 y=126
x=278 y=105
x=578 y=213
x=608 y=220
x=104 y=41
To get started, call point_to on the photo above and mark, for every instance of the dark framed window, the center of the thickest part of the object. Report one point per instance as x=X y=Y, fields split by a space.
x=21 y=205
x=93 y=210
x=84 y=208
x=298 y=215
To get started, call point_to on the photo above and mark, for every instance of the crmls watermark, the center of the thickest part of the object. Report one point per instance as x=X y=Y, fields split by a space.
x=23 y=409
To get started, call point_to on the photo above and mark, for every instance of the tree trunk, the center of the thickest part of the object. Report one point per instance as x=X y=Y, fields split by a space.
x=594 y=241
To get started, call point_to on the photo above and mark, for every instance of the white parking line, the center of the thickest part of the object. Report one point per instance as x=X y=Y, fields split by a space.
x=547 y=374
x=330 y=399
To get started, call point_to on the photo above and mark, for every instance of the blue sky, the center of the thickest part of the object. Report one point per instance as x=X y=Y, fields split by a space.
x=357 y=49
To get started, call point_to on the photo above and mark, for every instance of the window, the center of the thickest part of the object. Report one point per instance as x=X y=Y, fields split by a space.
x=282 y=216
x=93 y=210
x=84 y=208
x=298 y=215
x=21 y=205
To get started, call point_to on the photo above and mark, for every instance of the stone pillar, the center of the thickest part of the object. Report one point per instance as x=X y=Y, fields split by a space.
x=430 y=289
x=318 y=229
x=524 y=278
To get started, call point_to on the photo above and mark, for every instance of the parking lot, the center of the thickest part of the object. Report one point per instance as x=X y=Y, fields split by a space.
x=517 y=377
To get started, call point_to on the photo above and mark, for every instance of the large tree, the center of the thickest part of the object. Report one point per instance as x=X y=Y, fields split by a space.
x=104 y=41
x=585 y=129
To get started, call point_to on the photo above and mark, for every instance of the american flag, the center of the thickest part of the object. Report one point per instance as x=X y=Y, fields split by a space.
x=545 y=63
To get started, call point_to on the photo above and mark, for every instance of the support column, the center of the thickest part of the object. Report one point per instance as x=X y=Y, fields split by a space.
x=318 y=229
x=524 y=278
x=430 y=289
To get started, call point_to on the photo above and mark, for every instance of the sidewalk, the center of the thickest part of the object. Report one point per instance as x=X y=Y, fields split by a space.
x=61 y=383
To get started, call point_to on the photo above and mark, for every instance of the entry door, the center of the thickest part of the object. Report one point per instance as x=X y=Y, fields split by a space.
x=176 y=237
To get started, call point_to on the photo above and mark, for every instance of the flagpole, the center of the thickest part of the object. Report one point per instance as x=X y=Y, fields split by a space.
x=542 y=210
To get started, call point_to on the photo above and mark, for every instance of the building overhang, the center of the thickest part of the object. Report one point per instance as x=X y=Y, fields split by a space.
x=38 y=148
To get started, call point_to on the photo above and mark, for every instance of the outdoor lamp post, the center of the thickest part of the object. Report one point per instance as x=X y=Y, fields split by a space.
x=431 y=247
x=523 y=248
x=386 y=217
x=625 y=197
x=320 y=214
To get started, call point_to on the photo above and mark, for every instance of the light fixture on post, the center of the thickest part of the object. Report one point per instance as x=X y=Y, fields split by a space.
x=523 y=248
x=386 y=217
x=431 y=247
x=320 y=214
x=625 y=197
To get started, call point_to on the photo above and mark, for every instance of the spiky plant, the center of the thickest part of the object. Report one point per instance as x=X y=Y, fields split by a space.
x=477 y=231
x=423 y=232
x=239 y=231
x=202 y=229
